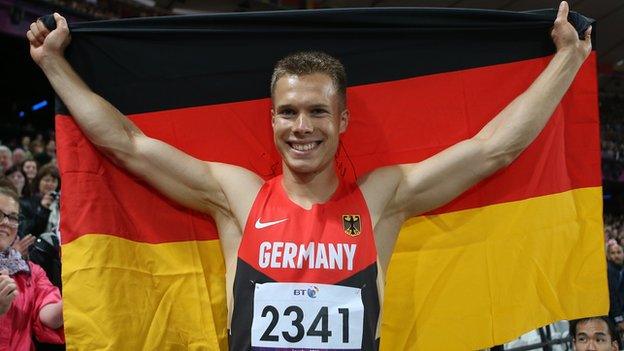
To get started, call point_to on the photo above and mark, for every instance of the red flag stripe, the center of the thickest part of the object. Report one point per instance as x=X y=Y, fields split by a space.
x=393 y=122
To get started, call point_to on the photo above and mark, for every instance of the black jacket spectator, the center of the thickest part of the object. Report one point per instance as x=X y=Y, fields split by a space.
x=616 y=291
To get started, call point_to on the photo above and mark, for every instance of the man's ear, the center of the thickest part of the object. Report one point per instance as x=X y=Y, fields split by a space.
x=272 y=116
x=344 y=120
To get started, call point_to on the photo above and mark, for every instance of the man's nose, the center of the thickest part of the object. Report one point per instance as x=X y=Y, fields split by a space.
x=303 y=123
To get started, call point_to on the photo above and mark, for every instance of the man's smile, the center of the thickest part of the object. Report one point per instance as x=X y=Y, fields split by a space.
x=304 y=146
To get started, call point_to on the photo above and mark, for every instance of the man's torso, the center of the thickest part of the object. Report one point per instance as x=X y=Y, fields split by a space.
x=327 y=250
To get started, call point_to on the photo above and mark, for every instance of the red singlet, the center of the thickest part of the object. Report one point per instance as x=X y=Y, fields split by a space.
x=333 y=244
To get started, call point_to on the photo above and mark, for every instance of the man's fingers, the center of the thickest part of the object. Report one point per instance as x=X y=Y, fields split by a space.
x=33 y=29
x=36 y=32
x=32 y=39
x=588 y=33
x=4 y=272
x=42 y=28
x=60 y=21
x=562 y=14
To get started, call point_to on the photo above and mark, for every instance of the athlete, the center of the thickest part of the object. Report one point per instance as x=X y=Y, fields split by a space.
x=321 y=245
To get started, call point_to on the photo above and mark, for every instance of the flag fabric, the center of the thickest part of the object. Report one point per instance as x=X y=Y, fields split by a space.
x=519 y=250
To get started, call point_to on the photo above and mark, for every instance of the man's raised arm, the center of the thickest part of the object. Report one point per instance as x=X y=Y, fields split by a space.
x=417 y=188
x=193 y=183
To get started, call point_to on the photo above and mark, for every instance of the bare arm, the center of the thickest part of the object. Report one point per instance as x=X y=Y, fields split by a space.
x=51 y=315
x=203 y=186
x=418 y=188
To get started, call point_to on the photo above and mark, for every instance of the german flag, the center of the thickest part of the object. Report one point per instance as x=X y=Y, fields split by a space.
x=519 y=250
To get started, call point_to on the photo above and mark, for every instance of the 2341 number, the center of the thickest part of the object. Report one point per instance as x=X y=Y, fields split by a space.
x=318 y=327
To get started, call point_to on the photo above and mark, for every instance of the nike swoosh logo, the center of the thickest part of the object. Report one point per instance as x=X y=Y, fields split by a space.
x=260 y=225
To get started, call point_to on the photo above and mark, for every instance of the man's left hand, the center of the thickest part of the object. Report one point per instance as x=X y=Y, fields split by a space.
x=565 y=36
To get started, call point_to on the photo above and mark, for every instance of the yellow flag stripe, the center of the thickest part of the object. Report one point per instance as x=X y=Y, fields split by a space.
x=123 y=295
x=495 y=272
x=455 y=280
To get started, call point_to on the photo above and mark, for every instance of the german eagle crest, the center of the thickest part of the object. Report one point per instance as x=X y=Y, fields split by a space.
x=351 y=224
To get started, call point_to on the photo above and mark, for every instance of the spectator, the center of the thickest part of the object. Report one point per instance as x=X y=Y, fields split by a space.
x=26 y=143
x=51 y=149
x=6 y=158
x=30 y=307
x=29 y=167
x=615 y=259
x=17 y=178
x=39 y=152
x=41 y=209
x=19 y=155
x=41 y=217
x=594 y=333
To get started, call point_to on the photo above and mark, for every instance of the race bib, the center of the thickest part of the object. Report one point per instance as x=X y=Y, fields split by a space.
x=294 y=316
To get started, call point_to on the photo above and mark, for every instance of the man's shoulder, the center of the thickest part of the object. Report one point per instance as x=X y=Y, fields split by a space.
x=381 y=181
x=379 y=187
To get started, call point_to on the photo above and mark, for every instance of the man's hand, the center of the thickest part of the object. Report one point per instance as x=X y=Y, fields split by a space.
x=8 y=291
x=22 y=245
x=45 y=44
x=565 y=36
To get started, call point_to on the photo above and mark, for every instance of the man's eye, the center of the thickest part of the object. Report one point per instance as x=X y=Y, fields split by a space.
x=319 y=111
x=287 y=113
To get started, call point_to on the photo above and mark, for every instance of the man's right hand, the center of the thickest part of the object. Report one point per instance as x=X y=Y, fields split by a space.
x=8 y=291
x=45 y=44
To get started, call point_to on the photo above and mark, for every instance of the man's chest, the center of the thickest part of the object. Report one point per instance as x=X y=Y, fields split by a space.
x=323 y=244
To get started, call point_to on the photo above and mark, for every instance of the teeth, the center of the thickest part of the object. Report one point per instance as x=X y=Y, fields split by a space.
x=303 y=147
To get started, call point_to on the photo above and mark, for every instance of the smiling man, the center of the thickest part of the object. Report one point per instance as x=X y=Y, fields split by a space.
x=322 y=244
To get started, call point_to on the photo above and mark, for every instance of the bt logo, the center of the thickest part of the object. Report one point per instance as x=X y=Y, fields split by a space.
x=310 y=292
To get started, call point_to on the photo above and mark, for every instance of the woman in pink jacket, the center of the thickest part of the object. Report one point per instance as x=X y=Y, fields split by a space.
x=30 y=306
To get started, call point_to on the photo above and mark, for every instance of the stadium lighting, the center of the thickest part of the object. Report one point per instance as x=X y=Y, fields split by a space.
x=40 y=105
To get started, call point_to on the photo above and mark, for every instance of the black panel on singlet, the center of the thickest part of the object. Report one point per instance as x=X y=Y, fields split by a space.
x=244 y=287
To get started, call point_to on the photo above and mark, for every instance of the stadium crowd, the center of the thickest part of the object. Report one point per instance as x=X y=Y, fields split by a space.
x=612 y=129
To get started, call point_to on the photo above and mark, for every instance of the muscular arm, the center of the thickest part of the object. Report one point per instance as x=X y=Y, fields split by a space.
x=417 y=188
x=203 y=186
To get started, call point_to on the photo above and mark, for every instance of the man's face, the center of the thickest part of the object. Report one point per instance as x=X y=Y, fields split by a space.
x=7 y=231
x=616 y=254
x=593 y=335
x=307 y=117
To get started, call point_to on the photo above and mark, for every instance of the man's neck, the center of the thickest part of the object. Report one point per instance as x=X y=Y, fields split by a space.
x=308 y=189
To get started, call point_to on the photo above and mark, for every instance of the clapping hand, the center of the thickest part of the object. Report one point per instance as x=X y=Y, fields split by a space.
x=8 y=291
